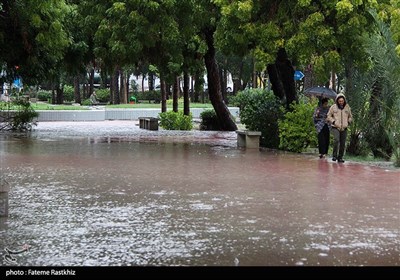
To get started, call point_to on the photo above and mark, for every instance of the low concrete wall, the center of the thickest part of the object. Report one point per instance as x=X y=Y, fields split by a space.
x=130 y=114
x=71 y=115
x=102 y=114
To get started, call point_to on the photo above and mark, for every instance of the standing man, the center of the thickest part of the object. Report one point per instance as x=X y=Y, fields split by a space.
x=339 y=116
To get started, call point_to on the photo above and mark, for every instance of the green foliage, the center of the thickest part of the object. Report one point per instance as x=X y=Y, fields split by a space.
x=43 y=95
x=296 y=130
x=397 y=157
x=317 y=33
x=378 y=138
x=394 y=136
x=358 y=145
x=385 y=100
x=69 y=93
x=209 y=120
x=17 y=115
x=86 y=102
x=103 y=95
x=357 y=97
x=175 y=120
x=260 y=110
x=149 y=95
x=32 y=37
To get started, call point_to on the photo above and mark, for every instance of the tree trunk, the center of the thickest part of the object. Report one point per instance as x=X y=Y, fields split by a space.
x=333 y=80
x=77 y=91
x=282 y=78
x=53 y=96
x=127 y=86
x=276 y=83
x=191 y=92
x=115 y=88
x=91 y=82
x=224 y=84
x=197 y=86
x=254 y=75
x=163 y=86
x=104 y=79
x=286 y=72
x=60 y=95
x=151 y=81
x=237 y=85
x=214 y=86
x=123 y=94
x=237 y=80
x=186 y=101
x=308 y=77
x=175 y=95
x=354 y=147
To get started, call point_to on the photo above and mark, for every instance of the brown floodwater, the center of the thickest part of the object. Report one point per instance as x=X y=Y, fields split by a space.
x=110 y=194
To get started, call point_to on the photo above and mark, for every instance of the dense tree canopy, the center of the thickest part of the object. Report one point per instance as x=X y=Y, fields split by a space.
x=321 y=33
x=34 y=34
x=39 y=37
x=32 y=37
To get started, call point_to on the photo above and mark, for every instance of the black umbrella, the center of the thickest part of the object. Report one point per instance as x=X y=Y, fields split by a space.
x=320 y=92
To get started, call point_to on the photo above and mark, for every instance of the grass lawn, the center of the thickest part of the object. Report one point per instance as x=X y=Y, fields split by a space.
x=45 y=106
x=152 y=105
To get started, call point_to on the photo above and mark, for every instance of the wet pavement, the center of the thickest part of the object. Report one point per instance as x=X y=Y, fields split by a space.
x=110 y=194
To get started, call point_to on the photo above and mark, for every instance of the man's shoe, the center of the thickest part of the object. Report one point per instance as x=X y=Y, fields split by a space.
x=341 y=160
x=334 y=159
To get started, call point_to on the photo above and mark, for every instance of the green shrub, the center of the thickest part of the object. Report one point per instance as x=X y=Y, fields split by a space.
x=393 y=133
x=175 y=121
x=86 y=102
x=103 y=95
x=297 y=130
x=21 y=119
x=260 y=111
x=397 y=157
x=209 y=120
x=149 y=95
x=69 y=93
x=357 y=144
x=44 y=95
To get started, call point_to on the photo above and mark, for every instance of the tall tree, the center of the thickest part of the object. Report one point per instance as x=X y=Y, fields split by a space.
x=77 y=55
x=322 y=33
x=208 y=17
x=384 y=104
x=32 y=37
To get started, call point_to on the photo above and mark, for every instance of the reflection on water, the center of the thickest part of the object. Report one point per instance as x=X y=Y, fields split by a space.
x=109 y=201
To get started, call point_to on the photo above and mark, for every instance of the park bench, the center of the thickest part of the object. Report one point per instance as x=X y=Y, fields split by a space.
x=98 y=104
x=248 y=139
x=150 y=101
x=148 y=123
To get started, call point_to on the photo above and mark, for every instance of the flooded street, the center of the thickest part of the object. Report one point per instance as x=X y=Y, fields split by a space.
x=110 y=194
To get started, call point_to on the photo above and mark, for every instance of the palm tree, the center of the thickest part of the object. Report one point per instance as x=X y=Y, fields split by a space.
x=375 y=97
